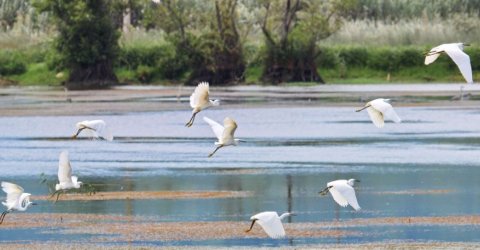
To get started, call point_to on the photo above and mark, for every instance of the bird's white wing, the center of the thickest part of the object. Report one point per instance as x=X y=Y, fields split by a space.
x=338 y=197
x=13 y=191
x=348 y=194
x=431 y=58
x=216 y=127
x=230 y=126
x=376 y=117
x=106 y=134
x=273 y=227
x=392 y=115
x=64 y=168
x=200 y=95
x=433 y=54
x=462 y=60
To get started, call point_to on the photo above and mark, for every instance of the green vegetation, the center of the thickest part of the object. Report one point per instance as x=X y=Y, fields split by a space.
x=238 y=41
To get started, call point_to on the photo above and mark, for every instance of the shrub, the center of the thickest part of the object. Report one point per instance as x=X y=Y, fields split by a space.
x=354 y=56
x=328 y=58
x=11 y=63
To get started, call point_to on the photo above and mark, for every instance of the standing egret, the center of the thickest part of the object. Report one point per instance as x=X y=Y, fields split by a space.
x=97 y=129
x=16 y=199
x=199 y=100
x=225 y=133
x=455 y=51
x=342 y=192
x=65 y=178
x=271 y=223
x=378 y=110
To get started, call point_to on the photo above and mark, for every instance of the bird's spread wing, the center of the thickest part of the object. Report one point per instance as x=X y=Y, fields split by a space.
x=338 y=197
x=64 y=168
x=106 y=134
x=392 y=115
x=273 y=227
x=431 y=58
x=216 y=127
x=348 y=194
x=433 y=54
x=13 y=191
x=230 y=127
x=462 y=60
x=376 y=117
x=200 y=95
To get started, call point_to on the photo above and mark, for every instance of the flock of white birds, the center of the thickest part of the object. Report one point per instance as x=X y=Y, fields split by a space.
x=342 y=191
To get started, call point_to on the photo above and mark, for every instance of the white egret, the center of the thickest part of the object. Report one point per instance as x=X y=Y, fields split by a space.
x=342 y=192
x=225 y=133
x=271 y=223
x=199 y=100
x=96 y=128
x=65 y=178
x=455 y=51
x=16 y=199
x=378 y=110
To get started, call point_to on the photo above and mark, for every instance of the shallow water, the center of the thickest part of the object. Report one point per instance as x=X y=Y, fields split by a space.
x=289 y=155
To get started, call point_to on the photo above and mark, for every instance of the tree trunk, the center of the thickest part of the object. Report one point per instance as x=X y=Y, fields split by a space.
x=228 y=64
x=98 y=76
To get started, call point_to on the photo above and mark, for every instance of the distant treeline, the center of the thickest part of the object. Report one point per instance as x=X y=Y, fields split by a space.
x=156 y=64
x=396 y=10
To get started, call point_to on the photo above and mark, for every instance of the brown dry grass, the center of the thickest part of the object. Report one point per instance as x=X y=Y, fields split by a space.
x=147 y=195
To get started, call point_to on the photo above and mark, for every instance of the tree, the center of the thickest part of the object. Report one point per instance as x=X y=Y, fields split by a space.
x=292 y=29
x=87 y=41
x=211 y=47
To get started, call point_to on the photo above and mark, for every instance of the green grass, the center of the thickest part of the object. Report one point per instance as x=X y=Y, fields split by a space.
x=38 y=74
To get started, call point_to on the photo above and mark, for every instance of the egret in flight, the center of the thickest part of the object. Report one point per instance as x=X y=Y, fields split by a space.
x=200 y=100
x=225 y=133
x=96 y=128
x=378 y=110
x=271 y=223
x=65 y=178
x=342 y=192
x=16 y=199
x=455 y=51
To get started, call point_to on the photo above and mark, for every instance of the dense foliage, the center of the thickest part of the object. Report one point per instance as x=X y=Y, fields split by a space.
x=227 y=41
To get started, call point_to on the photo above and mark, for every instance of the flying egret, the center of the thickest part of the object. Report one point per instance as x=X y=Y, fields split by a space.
x=342 y=192
x=16 y=199
x=199 y=100
x=271 y=223
x=96 y=128
x=455 y=51
x=65 y=178
x=225 y=133
x=378 y=110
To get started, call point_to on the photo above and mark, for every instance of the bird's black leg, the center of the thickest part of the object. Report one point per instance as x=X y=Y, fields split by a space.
x=251 y=226
x=210 y=155
x=190 y=122
x=3 y=216
x=325 y=191
x=78 y=132
x=358 y=110
x=58 y=194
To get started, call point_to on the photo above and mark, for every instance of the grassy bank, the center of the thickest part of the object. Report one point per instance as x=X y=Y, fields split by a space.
x=155 y=64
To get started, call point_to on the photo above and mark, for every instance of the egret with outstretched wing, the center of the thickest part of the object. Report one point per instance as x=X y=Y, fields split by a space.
x=455 y=52
x=342 y=192
x=96 y=128
x=224 y=134
x=271 y=223
x=16 y=199
x=200 y=100
x=379 y=110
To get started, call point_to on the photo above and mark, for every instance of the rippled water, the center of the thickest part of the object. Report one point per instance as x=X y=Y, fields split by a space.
x=289 y=155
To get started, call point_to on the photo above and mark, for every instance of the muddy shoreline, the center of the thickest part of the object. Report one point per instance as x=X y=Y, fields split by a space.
x=47 y=101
